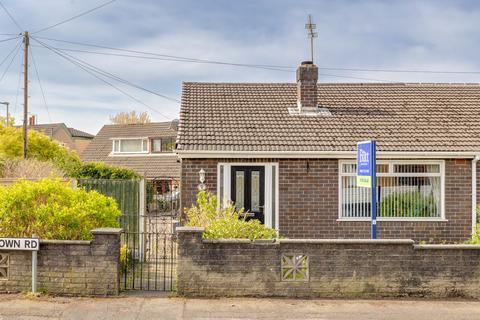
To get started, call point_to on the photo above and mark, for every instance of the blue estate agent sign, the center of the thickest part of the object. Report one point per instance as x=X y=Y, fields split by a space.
x=26 y=244
x=367 y=176
x=365 y=163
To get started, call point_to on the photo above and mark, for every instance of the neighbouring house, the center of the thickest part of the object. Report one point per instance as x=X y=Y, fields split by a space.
x=71 y=138
x=145 y=148
x=286 y=153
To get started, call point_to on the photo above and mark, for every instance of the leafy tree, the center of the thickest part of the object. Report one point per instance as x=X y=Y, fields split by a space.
x=40 y=147
x=3 y=121
x=130 y=118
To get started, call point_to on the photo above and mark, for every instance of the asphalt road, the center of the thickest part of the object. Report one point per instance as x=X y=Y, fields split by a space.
x=154 y=307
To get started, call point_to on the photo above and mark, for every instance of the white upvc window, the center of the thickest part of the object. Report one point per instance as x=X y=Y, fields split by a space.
x=406 y=190
x=130 y=145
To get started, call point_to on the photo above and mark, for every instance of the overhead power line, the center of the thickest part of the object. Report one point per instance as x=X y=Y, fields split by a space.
x=269 y=67
x=40 y=85
x=183 y=59
x=89 y=71
x=110 y=75
x=10 y=53
x=11 y=17
x=10 y=63
x=74 y=17
x=8 y=39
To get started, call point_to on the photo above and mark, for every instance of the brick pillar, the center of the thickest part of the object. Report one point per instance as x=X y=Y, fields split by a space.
x=105 y=249
x=189 y=245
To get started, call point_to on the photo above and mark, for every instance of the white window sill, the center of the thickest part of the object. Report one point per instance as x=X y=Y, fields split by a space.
x=393 y=219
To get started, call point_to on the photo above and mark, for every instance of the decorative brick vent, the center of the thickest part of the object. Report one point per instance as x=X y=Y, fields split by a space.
x=294 y=267
x=3 y=266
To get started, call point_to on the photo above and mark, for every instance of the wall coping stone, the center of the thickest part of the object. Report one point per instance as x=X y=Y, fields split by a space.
x=106 y=231
x=190 y=229
x=348 y=241
x=258 y=242
x=69 y=242
x=447 y=246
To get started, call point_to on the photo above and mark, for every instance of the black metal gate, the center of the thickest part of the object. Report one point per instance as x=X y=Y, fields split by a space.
x=150 y=215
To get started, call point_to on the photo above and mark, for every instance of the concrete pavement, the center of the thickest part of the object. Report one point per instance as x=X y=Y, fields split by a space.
x=14 y=307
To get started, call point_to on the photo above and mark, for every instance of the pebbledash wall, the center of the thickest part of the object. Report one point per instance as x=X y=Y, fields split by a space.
x=79 y=268
x=308 y=206
x=325 y=268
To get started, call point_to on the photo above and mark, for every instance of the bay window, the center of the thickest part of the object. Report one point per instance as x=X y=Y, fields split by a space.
x=406 y=190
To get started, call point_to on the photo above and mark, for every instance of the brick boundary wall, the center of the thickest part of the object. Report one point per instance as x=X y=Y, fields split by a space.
x=67 y=267
x=337 y=268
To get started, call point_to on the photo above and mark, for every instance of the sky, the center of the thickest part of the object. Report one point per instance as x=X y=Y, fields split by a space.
x=370 y=34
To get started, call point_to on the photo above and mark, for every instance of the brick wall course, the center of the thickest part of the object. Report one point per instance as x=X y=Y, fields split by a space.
x=308 y=195
x=353 y=268
x=74 y=268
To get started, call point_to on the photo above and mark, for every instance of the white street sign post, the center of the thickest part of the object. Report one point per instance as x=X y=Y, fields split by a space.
x=24 y=244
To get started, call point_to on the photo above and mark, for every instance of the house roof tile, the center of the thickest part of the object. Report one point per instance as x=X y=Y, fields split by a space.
x=400 y=116
x=164 y=165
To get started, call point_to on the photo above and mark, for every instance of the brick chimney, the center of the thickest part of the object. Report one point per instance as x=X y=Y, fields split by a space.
x=307 y=77
x=32 y=120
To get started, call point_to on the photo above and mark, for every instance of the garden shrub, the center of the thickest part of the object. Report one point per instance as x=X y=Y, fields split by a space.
x=410 y=203
x=225 y=223
x=476 y=236
x=51 y=209
x=28 y=169
x=101 y=170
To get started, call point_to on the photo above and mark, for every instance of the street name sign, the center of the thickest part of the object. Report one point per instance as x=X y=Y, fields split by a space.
x=24 y=244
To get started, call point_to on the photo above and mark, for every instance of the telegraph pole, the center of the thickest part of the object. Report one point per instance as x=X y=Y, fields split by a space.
x=25 y=94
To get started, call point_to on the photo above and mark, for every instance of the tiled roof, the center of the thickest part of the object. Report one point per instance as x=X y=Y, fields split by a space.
x=46 y=128
x=81 y=134
x=50 y=128
x=400 y=116
x=151 y=165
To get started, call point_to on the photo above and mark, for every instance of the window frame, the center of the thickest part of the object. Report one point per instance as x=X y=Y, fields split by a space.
x=143 y=139
x=152 y=150
x=390 y=173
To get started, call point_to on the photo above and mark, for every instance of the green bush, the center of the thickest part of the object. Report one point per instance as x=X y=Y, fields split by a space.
x=225 y=223
x=410 y=203
x=476 y=236
x=51 y=209
x=101 y=170
x=40 y=147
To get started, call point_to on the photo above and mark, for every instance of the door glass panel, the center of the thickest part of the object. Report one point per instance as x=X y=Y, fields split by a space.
x=255 y=199
x=239 y=189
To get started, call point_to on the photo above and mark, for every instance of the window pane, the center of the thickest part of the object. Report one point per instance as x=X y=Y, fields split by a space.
x=255 y=196
x=156 y=145
x=349 y=168
x=352 y=168
x=144 y=145
x=116 y=145
x=239 y=190
x=274 y=173
x=416 y=168
x=221 y=187
x=168 y=144
x=131 y=145
x=406 y=196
